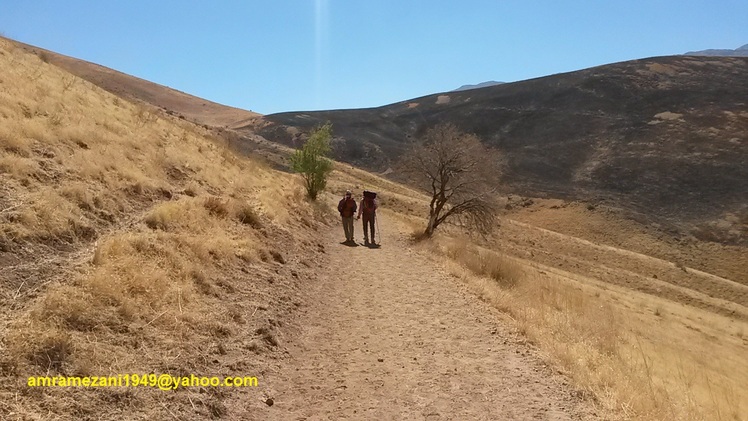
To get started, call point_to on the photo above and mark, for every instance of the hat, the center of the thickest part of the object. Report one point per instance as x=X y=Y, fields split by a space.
x=348 y=193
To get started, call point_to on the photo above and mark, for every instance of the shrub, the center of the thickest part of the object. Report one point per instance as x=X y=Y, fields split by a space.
x=311 y=160
x=247 y=215
x=216 y=207
x=165 y=216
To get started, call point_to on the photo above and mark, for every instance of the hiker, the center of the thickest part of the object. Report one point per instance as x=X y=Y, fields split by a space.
x=369 y=209
x=347 y=208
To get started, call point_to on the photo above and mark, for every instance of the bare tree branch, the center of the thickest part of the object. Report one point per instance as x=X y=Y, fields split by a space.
x=460 y=173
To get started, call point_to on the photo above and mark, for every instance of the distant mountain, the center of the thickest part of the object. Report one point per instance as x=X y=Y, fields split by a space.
x=665 y=138
x=738 y=52
x=480 y=85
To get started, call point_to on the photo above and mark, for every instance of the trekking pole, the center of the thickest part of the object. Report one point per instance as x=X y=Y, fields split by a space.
x=379 y=232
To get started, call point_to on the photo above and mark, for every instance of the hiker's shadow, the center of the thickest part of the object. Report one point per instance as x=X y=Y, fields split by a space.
x=350 y=243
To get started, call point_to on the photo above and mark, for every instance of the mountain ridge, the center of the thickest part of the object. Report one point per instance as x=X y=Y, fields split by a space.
x=478 y=86
x=738 y=52
x=663 y=137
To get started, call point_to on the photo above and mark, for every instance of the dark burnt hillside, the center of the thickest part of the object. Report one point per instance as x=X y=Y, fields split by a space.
x=666 y=137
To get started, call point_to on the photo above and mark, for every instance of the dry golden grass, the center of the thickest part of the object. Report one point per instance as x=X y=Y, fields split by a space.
x=505 y=272
x=629 y=360
x=130 y=232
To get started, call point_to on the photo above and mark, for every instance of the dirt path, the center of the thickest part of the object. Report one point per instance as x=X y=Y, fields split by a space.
x=388 y=336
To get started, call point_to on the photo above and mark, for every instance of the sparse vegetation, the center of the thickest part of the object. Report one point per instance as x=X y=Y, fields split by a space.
x=311 y=160
x=630 y=360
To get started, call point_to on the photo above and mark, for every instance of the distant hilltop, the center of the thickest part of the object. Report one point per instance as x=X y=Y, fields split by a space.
x=738 y=52
x=480 y=85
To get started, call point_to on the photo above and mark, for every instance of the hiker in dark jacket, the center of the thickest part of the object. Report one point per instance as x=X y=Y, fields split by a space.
x=347 y=208
x=369 y=209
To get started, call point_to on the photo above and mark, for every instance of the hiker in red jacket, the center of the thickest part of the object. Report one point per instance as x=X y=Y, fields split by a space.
x=347 y=208
x=369 y=209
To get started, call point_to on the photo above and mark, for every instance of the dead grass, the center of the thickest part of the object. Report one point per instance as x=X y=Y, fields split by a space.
x=241 y=211
x=246 y=214
x=623 y=356
x=11 y=141
x=131 y=229
x=505 y=272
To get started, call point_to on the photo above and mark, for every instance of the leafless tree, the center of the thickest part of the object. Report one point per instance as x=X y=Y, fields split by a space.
x=460 y=173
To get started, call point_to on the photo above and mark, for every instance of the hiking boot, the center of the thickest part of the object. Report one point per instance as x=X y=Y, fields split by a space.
x=366 y=242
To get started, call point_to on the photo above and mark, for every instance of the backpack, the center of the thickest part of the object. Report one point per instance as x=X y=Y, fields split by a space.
x=369 y=205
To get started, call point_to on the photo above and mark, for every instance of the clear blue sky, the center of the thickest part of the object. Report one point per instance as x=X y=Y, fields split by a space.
x=271 y=56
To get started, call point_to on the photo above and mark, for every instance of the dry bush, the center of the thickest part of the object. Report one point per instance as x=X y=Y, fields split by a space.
x=216 y=206
x=418 y=234
x=79 y=194
x=242 y=211
x=143 y=116
x=43 y=56
x=73 y=308
x=169 y=216
x=481 y=262
x=51 y=216
x=192 y=189
x=246 y=214
x=83 y=137
x=19 y=167
x=36 y=129
x=13 y=142
x=51 y=349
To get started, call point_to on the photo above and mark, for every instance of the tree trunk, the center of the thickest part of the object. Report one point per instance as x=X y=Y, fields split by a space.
x=431 y=226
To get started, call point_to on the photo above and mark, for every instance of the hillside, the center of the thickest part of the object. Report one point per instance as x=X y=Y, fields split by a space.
x=134 y=242
x=663 y=138
x=180 y=104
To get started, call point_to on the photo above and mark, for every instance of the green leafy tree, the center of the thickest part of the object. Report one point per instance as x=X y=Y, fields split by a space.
x=312 y=162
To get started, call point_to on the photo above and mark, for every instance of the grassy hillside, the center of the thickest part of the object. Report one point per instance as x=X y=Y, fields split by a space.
x=134 y=242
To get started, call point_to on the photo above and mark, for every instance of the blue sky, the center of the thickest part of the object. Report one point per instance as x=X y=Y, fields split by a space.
x=272 y=56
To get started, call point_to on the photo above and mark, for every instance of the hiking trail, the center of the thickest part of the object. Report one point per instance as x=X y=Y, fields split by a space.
x=389 y=335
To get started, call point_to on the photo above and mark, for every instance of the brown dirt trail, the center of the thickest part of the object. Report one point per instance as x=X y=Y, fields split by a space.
x=389 y=336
